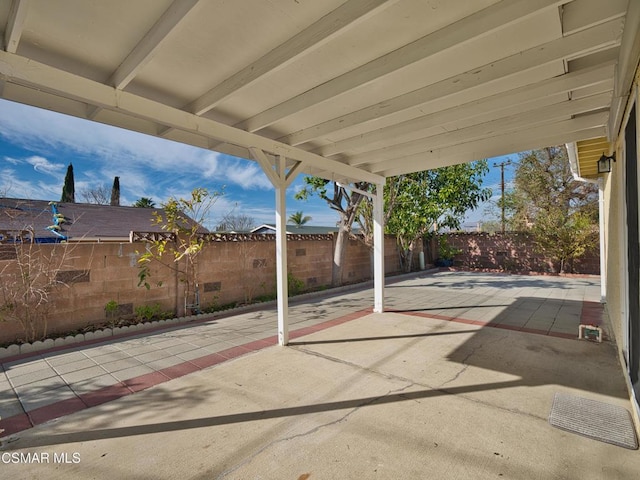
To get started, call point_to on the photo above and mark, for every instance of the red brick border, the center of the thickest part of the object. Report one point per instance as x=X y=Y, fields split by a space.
x=592 y=314
x=24 y=421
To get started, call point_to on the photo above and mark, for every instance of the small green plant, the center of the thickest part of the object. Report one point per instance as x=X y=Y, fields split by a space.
x=111 y=307
x=111 y=311
x=147 y=313
x=295 y=285
x=267 y=297
x=216 y=307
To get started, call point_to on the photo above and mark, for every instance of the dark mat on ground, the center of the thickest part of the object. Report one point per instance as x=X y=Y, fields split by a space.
x=590 y=418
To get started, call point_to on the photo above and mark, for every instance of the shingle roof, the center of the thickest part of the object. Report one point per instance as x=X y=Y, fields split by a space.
x=82 y=220
x=291 y=229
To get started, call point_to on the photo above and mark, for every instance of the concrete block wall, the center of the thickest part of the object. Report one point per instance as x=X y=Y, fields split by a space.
x=512 y=252
x=229 y=271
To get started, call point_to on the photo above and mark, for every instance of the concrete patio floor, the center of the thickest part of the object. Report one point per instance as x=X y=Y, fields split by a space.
x=430 y=390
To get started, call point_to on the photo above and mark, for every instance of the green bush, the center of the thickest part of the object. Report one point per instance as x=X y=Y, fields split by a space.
x=446 y=251
x=294 y=285
x=216 y=307
x=148 y=313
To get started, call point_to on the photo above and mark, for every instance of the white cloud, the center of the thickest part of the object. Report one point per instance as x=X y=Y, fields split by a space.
x=114 y=150
x=246 y=175
x=147 y=166
x=12 y=186
x=42 y=165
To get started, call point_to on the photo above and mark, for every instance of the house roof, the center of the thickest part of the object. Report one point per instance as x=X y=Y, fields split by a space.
x=83 y=221
x=295 y=229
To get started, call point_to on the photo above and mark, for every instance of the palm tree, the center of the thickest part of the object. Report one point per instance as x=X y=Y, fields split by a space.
x=299 y=218
x=144 y=202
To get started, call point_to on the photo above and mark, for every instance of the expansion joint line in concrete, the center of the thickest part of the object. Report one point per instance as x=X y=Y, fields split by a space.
x=464 y=361
x=413 y=383
x=311 y=431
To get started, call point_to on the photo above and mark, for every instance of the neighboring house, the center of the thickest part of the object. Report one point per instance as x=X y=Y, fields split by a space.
x=270 y=228
x=50 y=222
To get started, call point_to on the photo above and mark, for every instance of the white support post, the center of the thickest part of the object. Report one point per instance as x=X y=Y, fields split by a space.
x=281 y=253
x=378 y=249
x=603 y=240
x=280 y=179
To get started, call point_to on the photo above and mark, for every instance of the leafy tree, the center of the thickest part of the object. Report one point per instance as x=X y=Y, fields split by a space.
x=182 y=219
x=564 y=238
x=559 y=210
x=346 y=203
x=98 y=195
x=144 y=202
x=236 y=223
x=68 y=189
x=299 y=218
x=115 y=192
x=421 y=203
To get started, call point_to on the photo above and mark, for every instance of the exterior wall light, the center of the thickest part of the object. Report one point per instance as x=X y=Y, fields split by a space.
x=604 y=164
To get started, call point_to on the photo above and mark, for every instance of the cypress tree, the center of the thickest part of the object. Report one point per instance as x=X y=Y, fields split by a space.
x=68 y=189
x=115 y=192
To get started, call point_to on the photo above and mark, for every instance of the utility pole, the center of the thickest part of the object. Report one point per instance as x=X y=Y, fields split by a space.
x=502 y=165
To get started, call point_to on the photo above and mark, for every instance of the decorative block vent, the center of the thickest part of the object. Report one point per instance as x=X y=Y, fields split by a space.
x=260 y=263
x=124 y=309
x=73 y=276
x=212 y=286
x=8 y=252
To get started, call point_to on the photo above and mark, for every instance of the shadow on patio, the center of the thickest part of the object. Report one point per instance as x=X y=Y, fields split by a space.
x=393 y=395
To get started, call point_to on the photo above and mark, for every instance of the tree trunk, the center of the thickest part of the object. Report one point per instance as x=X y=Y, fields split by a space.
x=339 y=255
x=408 y=260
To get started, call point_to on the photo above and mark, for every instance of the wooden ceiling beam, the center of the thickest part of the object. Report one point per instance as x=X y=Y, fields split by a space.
x=581 y=128
x=15 y=25
x=603 y=36
x=144 y=51
x=340 y=20
x=479 y=24
x=527 y=94
x=32 y=74
x=521 y=121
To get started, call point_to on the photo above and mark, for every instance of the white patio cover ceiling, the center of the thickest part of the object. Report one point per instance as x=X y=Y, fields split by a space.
x=354 y=90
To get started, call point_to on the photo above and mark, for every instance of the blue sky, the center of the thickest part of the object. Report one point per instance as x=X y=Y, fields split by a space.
x=37 y=145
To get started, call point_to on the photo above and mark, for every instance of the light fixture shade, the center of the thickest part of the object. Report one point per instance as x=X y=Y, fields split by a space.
x=604 y=164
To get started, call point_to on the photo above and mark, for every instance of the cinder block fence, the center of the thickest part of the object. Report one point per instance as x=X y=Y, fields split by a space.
x=513 y=252
x=234 y=269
